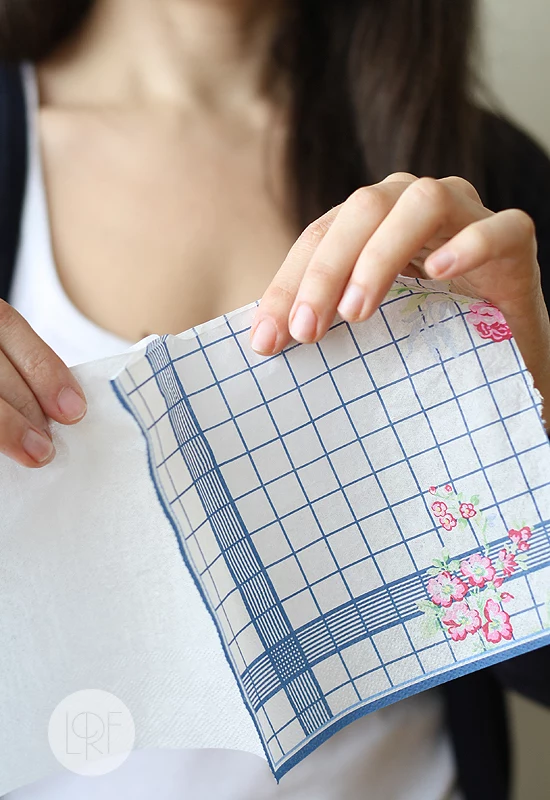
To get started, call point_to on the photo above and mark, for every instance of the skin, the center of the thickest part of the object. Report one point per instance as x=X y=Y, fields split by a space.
x=177 y=109
x=347 y=260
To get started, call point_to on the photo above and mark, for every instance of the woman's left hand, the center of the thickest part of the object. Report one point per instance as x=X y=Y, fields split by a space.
x=347 y=260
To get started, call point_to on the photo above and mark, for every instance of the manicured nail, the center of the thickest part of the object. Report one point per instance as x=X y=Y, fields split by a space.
x=303 y=327
x=38 y=447
x=71 y=404
x=352 y=302
x=264 y=337
x=440 y=263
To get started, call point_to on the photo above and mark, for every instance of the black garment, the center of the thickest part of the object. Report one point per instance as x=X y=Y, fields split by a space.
x=517 y=176
x=13 y=168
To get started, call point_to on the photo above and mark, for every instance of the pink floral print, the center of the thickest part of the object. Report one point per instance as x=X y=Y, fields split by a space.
x=467 y=510
x=489 y=322
x=439 y=509
x=427 y=310
x=466 y=596
x=507 y=562
x=452 y=508
x=445 y=589
x=448 y=522
x=474 y=607
x=498 y=624
x=521 y=538
x=461 y=620
x=478 y=570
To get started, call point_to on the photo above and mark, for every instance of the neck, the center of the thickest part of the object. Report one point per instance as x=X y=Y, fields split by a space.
x=212 y=53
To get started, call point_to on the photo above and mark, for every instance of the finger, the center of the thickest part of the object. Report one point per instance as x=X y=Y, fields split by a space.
x=415 y=269
x=51 y=382
x=400 y=177
x=269 y=331
x=22 y=442
x=17 y=394
x=270 y=328
x=331 y=264
x=462 y=185
x=498 y=243
x=498 y=257
x=426 y=209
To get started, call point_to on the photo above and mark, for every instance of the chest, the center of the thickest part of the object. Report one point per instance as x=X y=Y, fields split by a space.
x=160 y=225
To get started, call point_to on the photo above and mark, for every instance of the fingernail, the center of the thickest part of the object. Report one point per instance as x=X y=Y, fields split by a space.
x=265 y=336
x=440 y=263
x=71 y=404
x=38 y=447
x=303 y=327
x=352 y=302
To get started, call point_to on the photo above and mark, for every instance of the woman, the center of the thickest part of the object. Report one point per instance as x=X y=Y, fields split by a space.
x=177 y=148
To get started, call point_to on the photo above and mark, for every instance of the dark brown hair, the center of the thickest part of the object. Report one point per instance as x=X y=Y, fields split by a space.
x=377 y=86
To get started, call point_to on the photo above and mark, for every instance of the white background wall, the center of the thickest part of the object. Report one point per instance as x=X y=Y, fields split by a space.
x=516 y=37
x=516 y=66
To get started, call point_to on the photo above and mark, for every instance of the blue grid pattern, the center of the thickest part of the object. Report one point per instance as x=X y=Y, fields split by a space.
x=296 y=486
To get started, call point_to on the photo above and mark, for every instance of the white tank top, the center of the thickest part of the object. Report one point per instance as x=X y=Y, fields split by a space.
x=401 y=752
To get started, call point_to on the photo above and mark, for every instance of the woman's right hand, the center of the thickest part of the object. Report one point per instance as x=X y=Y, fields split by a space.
x=34 y=385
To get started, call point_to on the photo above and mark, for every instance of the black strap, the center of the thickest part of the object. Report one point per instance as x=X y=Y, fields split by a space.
x=13 y=169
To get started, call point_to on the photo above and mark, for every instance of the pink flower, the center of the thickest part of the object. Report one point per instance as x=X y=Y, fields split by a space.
x=432 y=489
x=445 y=589
x=508 y=560
x=497 y=583
x=461 y=620
x=448 y=487
x=505 y=597
x=498 y=624
x=448 y=522
x=467 y=510
x=439 y=509
x=489 y=322
x=478 y=570
x=521 y=538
